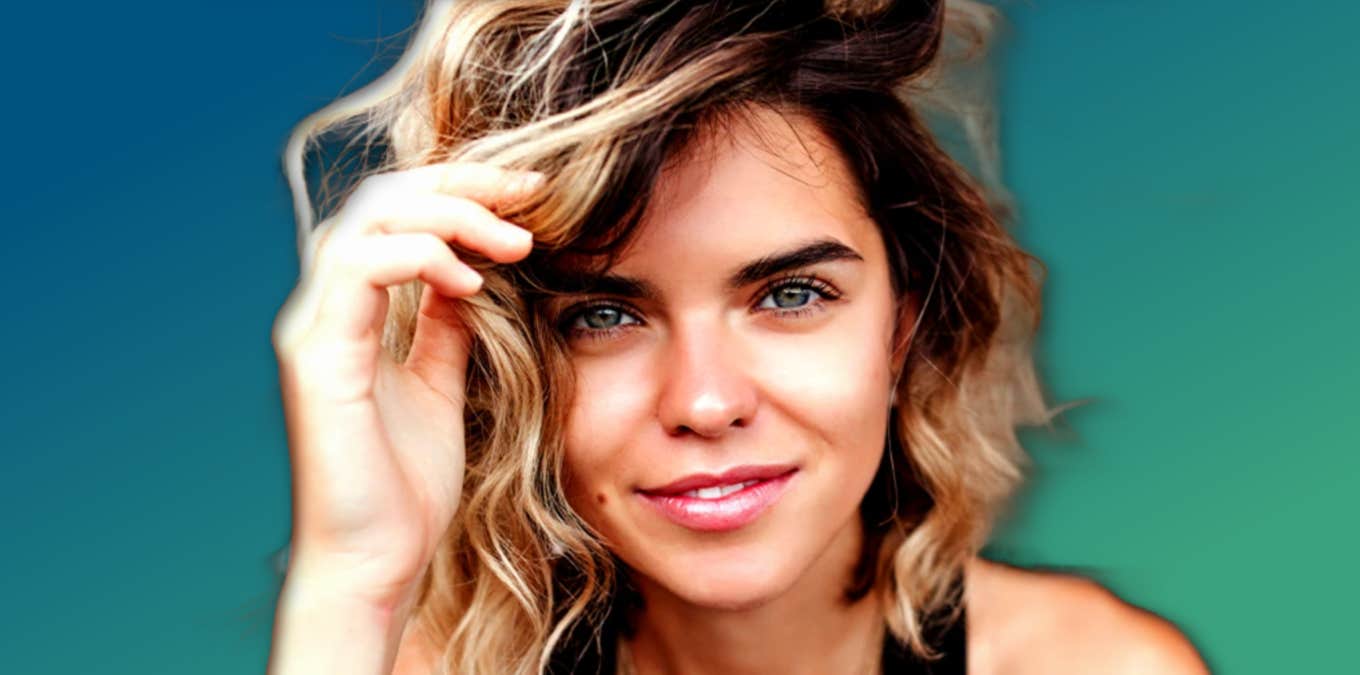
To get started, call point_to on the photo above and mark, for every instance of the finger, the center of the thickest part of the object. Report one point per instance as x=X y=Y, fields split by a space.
x=315 y=239
x=295 y=318
x=355 y=272
x=490 y=186
x=493 y=186
x=454 y=219
x=439 y=351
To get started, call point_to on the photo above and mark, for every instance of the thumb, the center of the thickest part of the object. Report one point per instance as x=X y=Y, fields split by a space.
x=439 y=350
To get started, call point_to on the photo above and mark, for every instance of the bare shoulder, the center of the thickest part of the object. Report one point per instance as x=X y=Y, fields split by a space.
x=1028 y=621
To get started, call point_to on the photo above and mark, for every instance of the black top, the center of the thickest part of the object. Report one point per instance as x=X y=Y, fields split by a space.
x=950 y=640
x=591 y=657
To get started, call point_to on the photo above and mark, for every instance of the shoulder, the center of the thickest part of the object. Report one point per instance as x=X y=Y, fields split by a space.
x=1028 y=621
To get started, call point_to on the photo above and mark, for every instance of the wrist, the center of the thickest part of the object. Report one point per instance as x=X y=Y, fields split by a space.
x=350 y=579
x=323 y=626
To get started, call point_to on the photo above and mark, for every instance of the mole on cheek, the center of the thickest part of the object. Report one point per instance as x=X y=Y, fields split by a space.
x=601 y=498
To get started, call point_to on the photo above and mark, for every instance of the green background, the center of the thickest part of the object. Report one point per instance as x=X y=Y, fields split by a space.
x=1185 y=169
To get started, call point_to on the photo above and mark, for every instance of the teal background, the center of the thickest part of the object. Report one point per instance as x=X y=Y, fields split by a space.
x=1185 y=169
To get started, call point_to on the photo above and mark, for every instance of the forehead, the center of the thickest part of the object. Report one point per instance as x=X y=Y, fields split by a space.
x=746 y=185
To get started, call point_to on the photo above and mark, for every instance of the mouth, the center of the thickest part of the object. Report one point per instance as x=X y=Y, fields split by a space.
x=721 y=502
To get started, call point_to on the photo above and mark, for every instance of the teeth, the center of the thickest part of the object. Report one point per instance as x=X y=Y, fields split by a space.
x=719 y=491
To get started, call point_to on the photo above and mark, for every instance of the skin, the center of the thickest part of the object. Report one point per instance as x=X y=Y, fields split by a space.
x=702 y=377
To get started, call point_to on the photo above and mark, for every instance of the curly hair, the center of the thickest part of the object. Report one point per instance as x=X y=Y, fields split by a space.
x=600 y=95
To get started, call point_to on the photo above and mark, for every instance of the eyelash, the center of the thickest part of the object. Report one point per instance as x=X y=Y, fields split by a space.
x=821 y=287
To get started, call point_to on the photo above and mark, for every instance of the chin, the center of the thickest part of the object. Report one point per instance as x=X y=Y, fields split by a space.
x=729 y=580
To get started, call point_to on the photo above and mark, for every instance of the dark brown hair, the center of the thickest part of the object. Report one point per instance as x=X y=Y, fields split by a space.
x=601 y=96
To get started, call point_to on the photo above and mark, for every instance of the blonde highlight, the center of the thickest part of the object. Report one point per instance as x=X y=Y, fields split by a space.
x=537 y=84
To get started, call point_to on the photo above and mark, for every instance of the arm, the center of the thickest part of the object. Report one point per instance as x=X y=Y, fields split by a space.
x=321 y=626
x=376 y=445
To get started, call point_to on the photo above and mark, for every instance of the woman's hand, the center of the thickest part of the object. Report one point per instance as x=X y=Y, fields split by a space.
x=377 y=446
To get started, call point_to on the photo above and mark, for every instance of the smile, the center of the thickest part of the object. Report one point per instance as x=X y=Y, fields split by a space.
x=719 y=503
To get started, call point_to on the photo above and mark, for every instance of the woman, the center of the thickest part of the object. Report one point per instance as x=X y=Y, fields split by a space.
x=723 y=377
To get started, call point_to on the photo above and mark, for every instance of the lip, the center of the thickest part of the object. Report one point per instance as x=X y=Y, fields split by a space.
x=725 y=513
x=736 y=474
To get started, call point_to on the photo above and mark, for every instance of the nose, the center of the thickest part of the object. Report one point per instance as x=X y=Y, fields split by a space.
x=706 y=389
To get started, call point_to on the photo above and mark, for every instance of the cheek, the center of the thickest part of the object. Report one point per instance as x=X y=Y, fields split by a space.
x=607 y=408
x=838 y=378
x=834 y=389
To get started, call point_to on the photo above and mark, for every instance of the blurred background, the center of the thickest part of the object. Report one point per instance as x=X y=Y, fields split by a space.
x=1186 y=170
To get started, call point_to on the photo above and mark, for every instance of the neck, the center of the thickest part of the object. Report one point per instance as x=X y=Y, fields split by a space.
x=810 y=628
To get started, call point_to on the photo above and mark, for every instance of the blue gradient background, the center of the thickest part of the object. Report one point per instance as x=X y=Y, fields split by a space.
x=1185 y=169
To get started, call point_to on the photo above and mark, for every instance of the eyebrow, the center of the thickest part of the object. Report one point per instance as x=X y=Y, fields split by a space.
x=805 y=255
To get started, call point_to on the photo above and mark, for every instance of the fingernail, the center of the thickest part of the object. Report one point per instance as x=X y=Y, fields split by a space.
x=473 y=279
x=520 y=235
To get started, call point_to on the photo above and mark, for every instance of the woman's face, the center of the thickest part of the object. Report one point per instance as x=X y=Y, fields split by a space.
x=741 y=344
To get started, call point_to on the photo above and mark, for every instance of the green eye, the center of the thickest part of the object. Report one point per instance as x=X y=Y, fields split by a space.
x=597 y=319
x=795 y=294
x=602 y=317
x=790 y=296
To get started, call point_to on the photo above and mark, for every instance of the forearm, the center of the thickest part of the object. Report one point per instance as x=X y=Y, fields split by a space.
x=322 y=629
